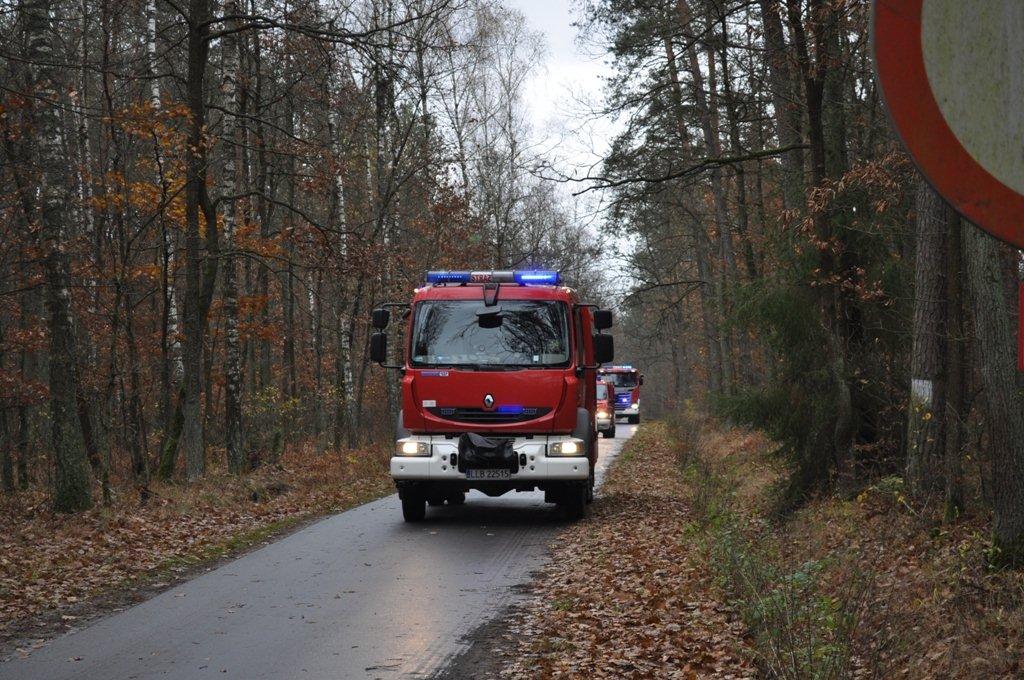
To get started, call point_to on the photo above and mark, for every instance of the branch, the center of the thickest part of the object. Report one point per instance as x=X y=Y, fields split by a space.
x=603 y=182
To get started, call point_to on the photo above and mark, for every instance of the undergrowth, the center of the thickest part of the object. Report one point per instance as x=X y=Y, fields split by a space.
x=797 y=628
x=865 y=585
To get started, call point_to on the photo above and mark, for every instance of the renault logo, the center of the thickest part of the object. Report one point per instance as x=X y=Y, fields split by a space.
x=488 y=401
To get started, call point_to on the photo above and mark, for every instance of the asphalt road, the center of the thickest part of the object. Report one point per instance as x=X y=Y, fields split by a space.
x=356 y=595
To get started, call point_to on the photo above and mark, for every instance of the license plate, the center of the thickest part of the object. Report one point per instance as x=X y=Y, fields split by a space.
x=488 y=474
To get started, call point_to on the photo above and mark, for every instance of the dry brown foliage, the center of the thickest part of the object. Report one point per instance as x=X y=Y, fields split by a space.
x=626 y=594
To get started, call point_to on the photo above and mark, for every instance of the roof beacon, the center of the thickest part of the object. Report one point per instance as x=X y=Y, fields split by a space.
x=521 y=277
x=547 y=278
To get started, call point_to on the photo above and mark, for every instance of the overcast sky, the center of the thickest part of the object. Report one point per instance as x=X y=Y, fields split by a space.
x=567 y=88
x=562 y=97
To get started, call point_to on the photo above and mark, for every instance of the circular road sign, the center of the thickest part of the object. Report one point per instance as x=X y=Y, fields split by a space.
x=952 y=75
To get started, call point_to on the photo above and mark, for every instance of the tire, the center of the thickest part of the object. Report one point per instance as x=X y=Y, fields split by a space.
x=634 y=420
x=590 y=486
x=574 y=501
x=457 y=498
x=609 y=433
x=414 y=508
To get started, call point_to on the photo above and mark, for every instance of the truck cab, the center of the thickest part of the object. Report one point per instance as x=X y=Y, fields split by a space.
x=627 y=381
x=606 y=409
x=499 y=375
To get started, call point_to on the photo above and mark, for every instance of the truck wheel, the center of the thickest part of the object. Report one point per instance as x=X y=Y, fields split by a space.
x=435 y=499
x=414 y=508
x=457 y=498
x=634 y=420
x=574 y=501
x=590 y=486
x=611 y=432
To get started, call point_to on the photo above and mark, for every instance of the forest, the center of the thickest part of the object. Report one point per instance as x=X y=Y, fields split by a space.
x=794 y=272
x=201 y=201
x=204 y=201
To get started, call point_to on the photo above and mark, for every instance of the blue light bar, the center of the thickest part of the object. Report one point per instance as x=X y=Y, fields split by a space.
x=448 y=277
x=549 y=278
x=523 y=278
x=511 y=410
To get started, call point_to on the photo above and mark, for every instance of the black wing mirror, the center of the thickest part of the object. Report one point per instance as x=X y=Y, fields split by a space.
x=379 y=344
x=604 y=349
x=602 y=319
x=381 y=318
x=641 y=379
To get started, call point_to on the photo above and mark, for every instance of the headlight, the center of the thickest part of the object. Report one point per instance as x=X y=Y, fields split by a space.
x=602 y=414
x=406 y=447
x=572 y=447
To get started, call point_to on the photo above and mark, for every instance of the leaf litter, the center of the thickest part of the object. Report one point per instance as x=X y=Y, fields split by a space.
x=625 y=594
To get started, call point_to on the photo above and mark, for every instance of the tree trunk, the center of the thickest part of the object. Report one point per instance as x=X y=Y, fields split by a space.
x=713 y=350
x=235 y=438
x=30 y=307
x=785 y=94
x=926 y=413
x=195 y=180
x=1003 y=389
x=706 y=111
x=6 y=462
x=836 y=342
x=136 y=419
x=956 y=368
x=6 y=445
x=71 y=479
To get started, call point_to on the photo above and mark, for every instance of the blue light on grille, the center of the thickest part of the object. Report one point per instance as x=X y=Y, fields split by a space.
x=511 y=410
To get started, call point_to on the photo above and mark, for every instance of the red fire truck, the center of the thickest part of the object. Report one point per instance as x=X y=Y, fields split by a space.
x=627 y=381
x=499 y=375
x=606 y=409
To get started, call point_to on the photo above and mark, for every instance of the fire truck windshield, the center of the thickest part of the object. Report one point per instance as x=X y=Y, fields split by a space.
x=516 y=334
x=621 y=379
x=602 y=391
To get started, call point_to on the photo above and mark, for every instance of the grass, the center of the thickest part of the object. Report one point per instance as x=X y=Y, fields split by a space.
x=797 y=628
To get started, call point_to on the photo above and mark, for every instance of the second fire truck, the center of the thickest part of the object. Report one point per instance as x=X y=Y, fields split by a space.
x=627 y=381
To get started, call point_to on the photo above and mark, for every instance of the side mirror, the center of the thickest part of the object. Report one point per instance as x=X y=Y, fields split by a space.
x=602 y=319
x=604 y=349
x=641 y=380
x=381 y=318
x=379 y=345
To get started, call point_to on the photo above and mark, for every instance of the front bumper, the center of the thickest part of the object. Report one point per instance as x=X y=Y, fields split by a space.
x=631 y=410
x=539 y=466
x=605 y=423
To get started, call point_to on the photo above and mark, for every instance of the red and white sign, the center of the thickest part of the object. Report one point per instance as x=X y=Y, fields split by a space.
x=952 y=75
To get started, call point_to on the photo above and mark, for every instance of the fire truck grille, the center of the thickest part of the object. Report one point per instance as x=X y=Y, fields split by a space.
x=498 y=416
